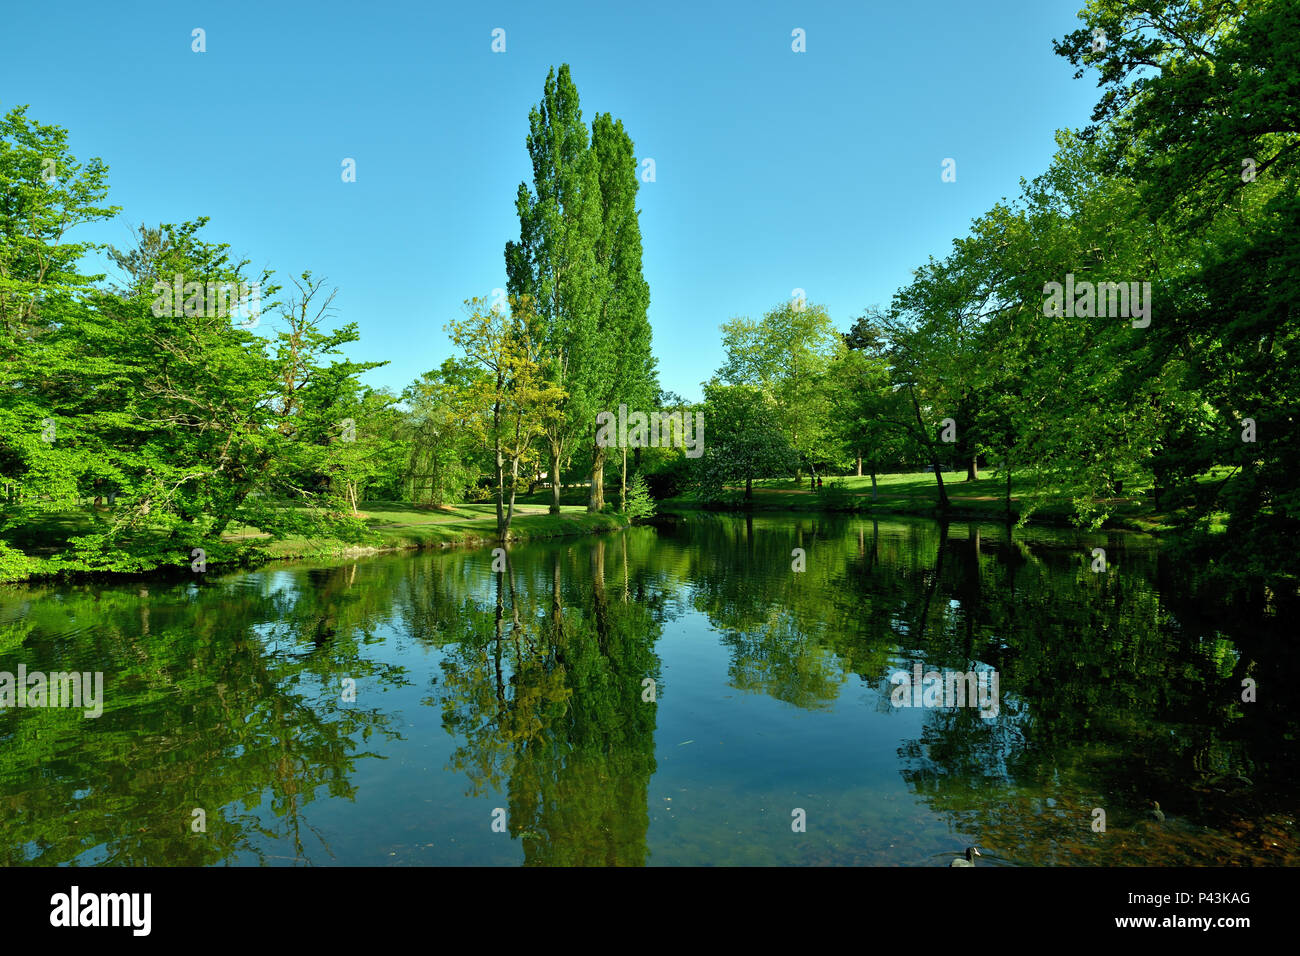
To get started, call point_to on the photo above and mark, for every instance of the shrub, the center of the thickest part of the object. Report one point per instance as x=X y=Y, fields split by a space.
x=670 y=481
x=639 y=503
x=837 y=497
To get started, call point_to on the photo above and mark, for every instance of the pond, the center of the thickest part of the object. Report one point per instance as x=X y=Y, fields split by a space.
x=698 y=692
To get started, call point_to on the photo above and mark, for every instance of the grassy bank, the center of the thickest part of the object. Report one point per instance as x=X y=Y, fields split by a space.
x=398 y=527
x=392 y=526
x=916 y=493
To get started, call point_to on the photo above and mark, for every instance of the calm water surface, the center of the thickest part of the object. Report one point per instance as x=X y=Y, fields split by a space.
x=528 y=691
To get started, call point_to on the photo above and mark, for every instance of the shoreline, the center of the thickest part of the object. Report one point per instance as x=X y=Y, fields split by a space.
x=1040 y=519
x=452 y=534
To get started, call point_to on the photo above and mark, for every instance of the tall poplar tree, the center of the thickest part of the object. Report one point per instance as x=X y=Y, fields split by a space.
x=624 y=367
x=554 y=261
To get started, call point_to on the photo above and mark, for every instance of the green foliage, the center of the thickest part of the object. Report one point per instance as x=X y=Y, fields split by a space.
x=622 y=350
x=15 y=565
x=787 y=355
x=554 y=264
x=512 y=403
x=445 y=460
x=578 y=259
x=869 y=420
x=1196 y=113
x=168 y=412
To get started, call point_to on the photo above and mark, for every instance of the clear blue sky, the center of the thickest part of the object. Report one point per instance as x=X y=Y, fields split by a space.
x=775 y=170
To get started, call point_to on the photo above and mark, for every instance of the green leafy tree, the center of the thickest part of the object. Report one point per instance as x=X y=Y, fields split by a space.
x=867 y=417
x=1197 y=110
x=787 y=354
x=746 y=440
x=445 y=461
x=45 y=194
x=511 y=406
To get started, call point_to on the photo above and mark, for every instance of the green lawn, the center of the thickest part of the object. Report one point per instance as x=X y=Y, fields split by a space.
x=399 y=525
x=917 y=493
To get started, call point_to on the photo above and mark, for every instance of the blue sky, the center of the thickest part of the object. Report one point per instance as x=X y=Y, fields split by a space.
x=775 y=170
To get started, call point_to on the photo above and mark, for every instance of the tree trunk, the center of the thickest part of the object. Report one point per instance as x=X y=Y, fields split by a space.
x=873 y=484
x=973 y=469
x=749 y=488
x=943 y=494
x=859 y=471
x=929 y=447
x=223 y=519
x=555 y=480
x=1007 y=465
x=596 y=499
